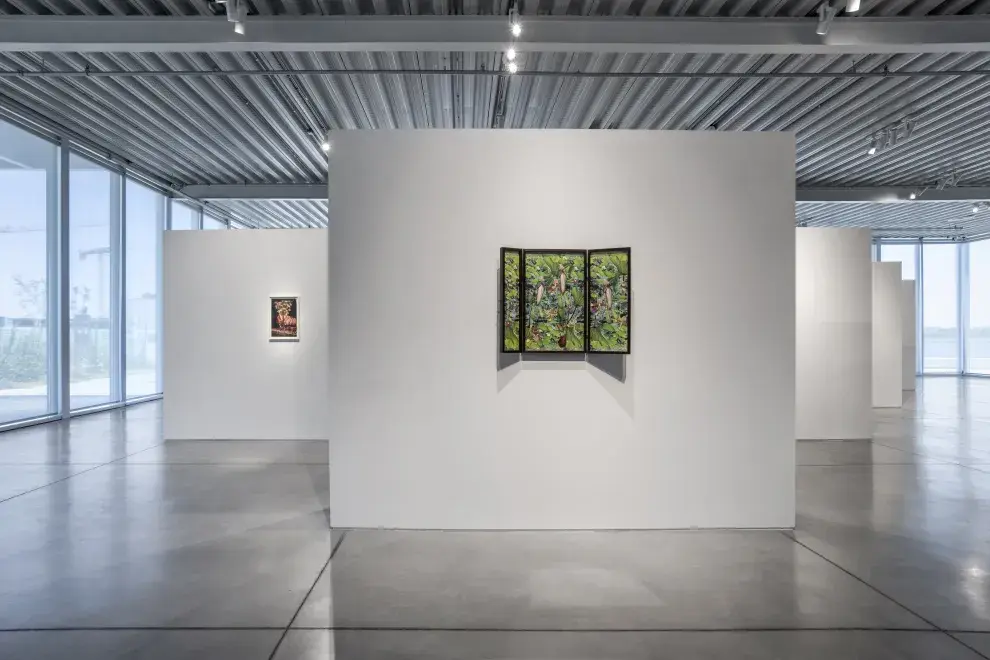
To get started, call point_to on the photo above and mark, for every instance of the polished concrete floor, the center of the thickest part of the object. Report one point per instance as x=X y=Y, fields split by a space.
x=114 y=544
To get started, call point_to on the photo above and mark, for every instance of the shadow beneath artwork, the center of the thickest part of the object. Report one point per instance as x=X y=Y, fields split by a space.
x=614 y=373
x=553 y=361
x=553 y=357
x=613 y=365
x=506 y=360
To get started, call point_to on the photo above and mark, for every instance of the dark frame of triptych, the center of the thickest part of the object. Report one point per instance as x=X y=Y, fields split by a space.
x=502 y=299
x=628 y=253
x=587 y=255
x=522 y=302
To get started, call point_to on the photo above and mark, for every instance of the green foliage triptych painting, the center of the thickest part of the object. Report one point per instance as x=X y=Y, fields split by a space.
x=608 y=301
x=566 y=301
x=511 y=272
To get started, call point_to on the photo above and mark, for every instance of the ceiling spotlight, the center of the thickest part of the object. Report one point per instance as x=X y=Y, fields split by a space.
x=510 y=54
x=852 y=6
x=913 y=195
x=325 y=145
x=236 y=13
x=515 y=28
x=826 y=12
x=976 y=208
x=512 y=67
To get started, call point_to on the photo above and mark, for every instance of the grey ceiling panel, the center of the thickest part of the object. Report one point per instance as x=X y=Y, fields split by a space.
x=267 y=129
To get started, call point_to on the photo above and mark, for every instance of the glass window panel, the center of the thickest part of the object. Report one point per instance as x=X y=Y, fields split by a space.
x=184 y=217
x=978 y=332
x=28 y=209
x=94 y=211
x=209 y=222
x=143 y=254
x=905 y=253
x=940 y=302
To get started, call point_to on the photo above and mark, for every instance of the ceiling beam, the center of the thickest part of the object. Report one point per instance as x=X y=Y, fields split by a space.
x=890 y=194
x=318 y=191
x=249 y=191
x=489 y=33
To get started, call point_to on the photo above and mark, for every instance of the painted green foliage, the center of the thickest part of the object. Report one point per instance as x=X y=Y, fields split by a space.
x=555 y=301
x=609 y=301
x=510 y=300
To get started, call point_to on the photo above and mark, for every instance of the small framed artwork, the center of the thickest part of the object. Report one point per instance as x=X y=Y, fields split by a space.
x=609 y=301
x=284 y=318
x=511 y=269
x=554 y=301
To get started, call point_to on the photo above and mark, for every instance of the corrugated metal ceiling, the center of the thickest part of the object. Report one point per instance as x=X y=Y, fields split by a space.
x=267 y=129
x=734 y=8
x=288 y=214
x=930 y=220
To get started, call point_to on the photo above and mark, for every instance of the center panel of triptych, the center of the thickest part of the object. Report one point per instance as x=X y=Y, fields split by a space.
x=555 y=301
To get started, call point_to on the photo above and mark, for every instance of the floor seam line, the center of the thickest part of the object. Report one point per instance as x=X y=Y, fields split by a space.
x=934 y=625
x=468 y=629
x=13 y=497
x=309 y=593
x=935 y=460
x=952 y=636
x=95 y=467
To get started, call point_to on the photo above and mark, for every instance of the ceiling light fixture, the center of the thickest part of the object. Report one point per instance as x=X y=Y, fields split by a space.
x=976 y=208
x=826 y=13
x=913 y=195
x=515 y=29
x=236 y=13
x=325 y=145
x=852 y=6
x=948 y=180
x=891 y=135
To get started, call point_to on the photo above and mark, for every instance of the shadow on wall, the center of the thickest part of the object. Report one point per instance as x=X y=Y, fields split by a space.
x=612 y=364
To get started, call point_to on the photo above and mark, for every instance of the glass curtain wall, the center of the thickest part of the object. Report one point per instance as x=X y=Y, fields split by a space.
x=978 y=317
x=209 y=222
x=143 y=256
x=185 y=217
x=112 y=270
x=94 y=268
x=28 y=276
x=940 y=307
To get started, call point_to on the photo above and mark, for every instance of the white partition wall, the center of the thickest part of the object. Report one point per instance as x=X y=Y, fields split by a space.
x=888 y=343
x=909 y=314
x=223 y=377
x=694 y=429
x=834 y=334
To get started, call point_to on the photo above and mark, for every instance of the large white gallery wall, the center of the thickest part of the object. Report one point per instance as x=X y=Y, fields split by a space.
x=888 y=343
x=223 y=377
x=431 y=428
x=909 y=314
x=834 y=334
